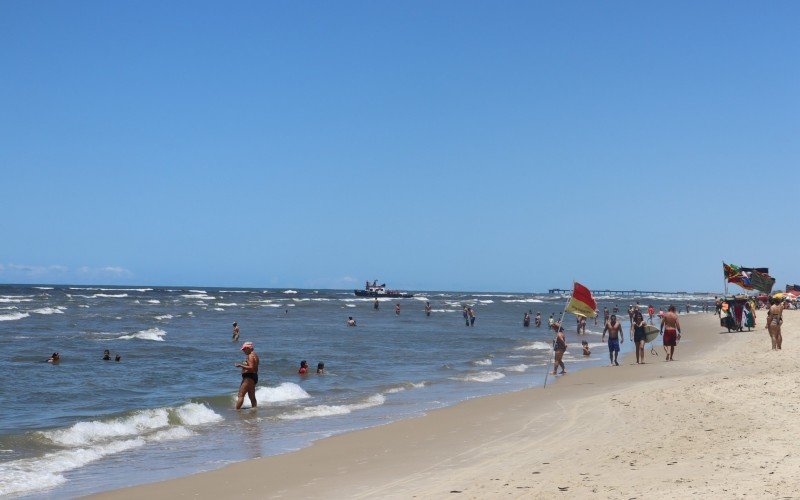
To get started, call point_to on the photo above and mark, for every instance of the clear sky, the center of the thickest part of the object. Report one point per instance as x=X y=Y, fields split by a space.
x=433 y=145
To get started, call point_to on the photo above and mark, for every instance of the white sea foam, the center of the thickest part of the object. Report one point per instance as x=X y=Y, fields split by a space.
x=407 y=385
x=153 y=301
x=517 y=368
x=528 y=301
x=196 y=414
x=482 y=377
x=350 y=305
x=122 y=289
x=235 y=291
x=164 y=316
x=543 y=346
x=290 y=291
x=482 y=362
x=171 y=434
x=149 y=334
x=13 y=316
x=109 y=295
x=84 y=306
x=44 y=287
x=10 y=299
x=198 y=291
x=87 y=433
x=330 y=410
x=285 y=392
x=32 y=474
x=227 y=304
x=488 y=301
x=199 y=296
x=217 y=309
x=422 y=299
x=49 y=310
x=142 y=423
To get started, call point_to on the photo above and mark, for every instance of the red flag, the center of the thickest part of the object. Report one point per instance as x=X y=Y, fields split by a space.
x=582 y=303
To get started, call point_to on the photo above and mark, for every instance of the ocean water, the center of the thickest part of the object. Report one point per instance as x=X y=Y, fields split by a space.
x=87 y=425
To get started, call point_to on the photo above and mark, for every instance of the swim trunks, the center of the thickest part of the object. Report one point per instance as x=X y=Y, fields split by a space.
x=613 y=345
x=251 y=376
x=670 y=337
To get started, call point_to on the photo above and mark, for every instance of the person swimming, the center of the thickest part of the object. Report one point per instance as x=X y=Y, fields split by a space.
x=55 y=358
x=320 y=368
x=351 y=321
x=117 y=357
x=303 y=367
x=106 y=355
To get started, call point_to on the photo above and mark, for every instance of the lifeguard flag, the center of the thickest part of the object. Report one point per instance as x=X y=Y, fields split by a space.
x=582 y=303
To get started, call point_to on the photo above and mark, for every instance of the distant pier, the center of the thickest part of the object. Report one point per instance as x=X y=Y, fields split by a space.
x=630 y=293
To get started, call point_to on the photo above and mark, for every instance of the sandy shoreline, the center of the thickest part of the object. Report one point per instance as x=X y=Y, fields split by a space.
x=718 y=421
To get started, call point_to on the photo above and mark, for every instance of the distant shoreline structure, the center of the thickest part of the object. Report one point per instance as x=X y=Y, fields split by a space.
x=629 y=293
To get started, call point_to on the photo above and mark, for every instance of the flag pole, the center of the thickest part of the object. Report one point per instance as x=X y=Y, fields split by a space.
x=724 y=279
x=560 y=325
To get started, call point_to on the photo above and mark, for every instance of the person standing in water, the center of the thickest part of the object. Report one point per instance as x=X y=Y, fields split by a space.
x=465 y=314
x=559 y=348
x=351 y=321
x=397 y=309
x=526 y=320
x=376 y=305
x=471 y=312
x=427 y=309
x=538 y=319
x=614 y=330
x=249 y=376
x=671 y=329
x=235 y=332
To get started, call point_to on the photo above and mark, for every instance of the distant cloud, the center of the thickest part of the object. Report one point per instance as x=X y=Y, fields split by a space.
x=34 y=271
x=104 y=272
x=347 y=279
x=11 y=272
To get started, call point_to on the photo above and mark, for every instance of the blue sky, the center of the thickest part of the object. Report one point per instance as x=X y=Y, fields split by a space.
x=433 y=145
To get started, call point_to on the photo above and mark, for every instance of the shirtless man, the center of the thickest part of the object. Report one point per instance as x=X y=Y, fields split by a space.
x=671 y=329
x=249 y=376
x=235 y=332
x=375 y=304
x=538 y=319
x=614 y=329
x=774 y=321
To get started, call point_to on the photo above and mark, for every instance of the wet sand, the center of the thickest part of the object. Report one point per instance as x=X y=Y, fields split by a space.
x=719 y=421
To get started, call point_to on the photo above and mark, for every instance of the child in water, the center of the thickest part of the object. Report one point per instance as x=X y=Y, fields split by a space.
x=586 y=351
x=320 y=368
x=303 y=367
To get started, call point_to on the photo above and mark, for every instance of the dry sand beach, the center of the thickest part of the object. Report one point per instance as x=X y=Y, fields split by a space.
x=719 y=422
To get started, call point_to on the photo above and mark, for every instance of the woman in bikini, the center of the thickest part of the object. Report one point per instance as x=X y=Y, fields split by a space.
x=774 y=321
x=559 y=347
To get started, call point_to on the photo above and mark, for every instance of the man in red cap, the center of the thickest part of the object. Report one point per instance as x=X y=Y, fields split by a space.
x=249 y=376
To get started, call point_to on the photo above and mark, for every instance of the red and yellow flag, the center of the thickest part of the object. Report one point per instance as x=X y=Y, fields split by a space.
x=582 y=303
